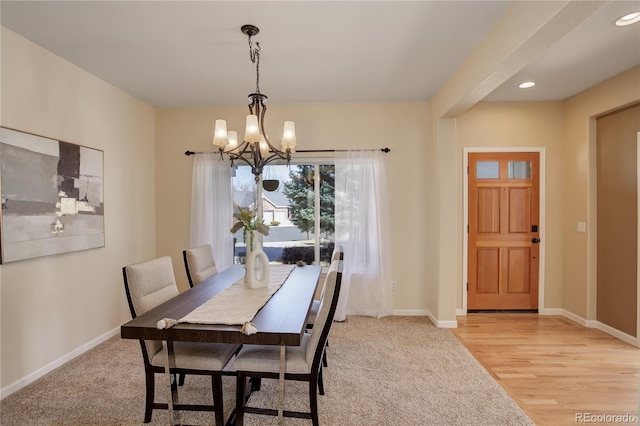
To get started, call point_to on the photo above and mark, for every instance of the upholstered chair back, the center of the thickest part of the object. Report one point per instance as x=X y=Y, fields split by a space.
x=338 y=254
x=199 y=263
x=149 y=284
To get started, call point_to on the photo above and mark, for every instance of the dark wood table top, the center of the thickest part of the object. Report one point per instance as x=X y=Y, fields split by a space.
x=282 y=321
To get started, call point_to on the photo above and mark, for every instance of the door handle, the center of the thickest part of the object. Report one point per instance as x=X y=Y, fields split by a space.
x=535 y=240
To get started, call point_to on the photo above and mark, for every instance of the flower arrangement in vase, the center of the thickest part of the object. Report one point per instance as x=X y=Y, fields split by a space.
x=257 y=262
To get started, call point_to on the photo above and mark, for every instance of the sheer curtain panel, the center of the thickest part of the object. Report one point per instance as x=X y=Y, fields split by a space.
x=362 y=220
x=212 y=207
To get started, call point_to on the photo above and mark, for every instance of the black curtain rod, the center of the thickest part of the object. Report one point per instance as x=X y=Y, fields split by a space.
x=385 y=150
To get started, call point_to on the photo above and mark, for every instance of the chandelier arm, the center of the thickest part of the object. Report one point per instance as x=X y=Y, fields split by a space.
x=234 y=157
x=235 y=152
x=261 y=120
x=277 y=156
x=255 y=162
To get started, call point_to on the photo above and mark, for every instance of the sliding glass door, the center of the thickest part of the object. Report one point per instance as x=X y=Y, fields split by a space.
x=297 y=203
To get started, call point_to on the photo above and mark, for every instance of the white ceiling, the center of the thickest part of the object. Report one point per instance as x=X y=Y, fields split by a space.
x=192 y=53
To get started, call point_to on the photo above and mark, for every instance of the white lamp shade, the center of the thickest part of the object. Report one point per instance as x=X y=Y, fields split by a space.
x=264 y=147
x=220 y=136
x=233 y=139
x=289 y=136
x=252 y=130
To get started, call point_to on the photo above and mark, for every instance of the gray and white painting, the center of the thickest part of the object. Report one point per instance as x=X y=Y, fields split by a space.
x=52 y=196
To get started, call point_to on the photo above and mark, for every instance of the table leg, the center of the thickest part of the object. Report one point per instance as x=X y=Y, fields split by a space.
x=283 y=351
x=169 y=363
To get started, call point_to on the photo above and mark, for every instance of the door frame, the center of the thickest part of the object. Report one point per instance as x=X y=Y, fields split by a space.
x=465 y=218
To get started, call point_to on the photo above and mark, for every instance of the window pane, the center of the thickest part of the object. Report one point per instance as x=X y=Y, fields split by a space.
x=290 y=212
x=519 y=170
x=487 y=170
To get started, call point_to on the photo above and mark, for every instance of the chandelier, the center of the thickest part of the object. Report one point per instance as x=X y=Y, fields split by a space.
x=255 y=150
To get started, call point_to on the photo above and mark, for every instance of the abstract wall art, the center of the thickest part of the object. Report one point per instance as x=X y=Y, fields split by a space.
x=52 y=196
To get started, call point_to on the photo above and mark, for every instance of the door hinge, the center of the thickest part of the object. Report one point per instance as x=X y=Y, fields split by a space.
x=467 y=286
x=467 y=228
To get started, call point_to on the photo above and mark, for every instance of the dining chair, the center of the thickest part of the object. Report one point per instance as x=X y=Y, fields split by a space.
x=147 y=285
x=199 y=263
x=338 y=254
x=302 y=363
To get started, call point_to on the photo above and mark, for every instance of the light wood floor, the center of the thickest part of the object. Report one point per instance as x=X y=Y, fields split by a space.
x=554 y=368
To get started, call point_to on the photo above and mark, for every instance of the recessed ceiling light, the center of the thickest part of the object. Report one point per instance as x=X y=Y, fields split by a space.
x=526 y=84
x=628 y=19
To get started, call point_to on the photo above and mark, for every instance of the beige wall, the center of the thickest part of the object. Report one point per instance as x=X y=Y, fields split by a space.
x=400 y=127
x=617 y=219
x=52 y=306
x=533 y=124
x=579 y=273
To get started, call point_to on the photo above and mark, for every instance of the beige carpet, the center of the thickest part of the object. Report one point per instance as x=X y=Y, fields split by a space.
x=391 y=371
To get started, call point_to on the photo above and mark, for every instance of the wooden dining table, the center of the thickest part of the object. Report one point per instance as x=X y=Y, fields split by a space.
x=281 y=321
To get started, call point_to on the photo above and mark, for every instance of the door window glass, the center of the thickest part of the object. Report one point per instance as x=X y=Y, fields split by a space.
x=519 y=170
x=487 y=170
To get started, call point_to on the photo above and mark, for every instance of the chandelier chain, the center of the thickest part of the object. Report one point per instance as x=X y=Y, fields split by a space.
x=254 y=55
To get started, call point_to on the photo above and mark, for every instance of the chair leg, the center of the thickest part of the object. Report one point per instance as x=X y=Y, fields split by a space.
x=218 y=405
x=324 y=357
x=313 y=400
x=240 y=382
x=320 y=382
x=255 y=383
x=151 y=385
x=181 y=377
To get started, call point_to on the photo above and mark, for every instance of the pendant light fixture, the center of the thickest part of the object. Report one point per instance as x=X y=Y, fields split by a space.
x=255 y=150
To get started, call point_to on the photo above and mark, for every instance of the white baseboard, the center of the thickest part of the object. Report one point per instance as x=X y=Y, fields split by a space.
x=19 y=384
x=617 y=333
x=461 y=313
x=602 y=327
x=550 y=311
x=409 y=313
x=447 y=324
x=442 y=324
x=424 y=312
x=576 y=318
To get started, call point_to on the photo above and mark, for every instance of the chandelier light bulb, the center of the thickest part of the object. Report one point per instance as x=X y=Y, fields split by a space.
x=220 y=136
x=233 y=139
x=264 y=146
x=289 y=136
x=252 y=130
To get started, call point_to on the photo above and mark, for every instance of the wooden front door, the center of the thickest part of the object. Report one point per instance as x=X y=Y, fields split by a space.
x=503 y=231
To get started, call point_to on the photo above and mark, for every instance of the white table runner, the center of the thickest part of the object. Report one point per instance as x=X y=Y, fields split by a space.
x=238 y=304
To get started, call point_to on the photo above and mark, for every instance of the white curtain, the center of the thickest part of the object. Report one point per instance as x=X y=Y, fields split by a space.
x=212 y=207
x=362 y=230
